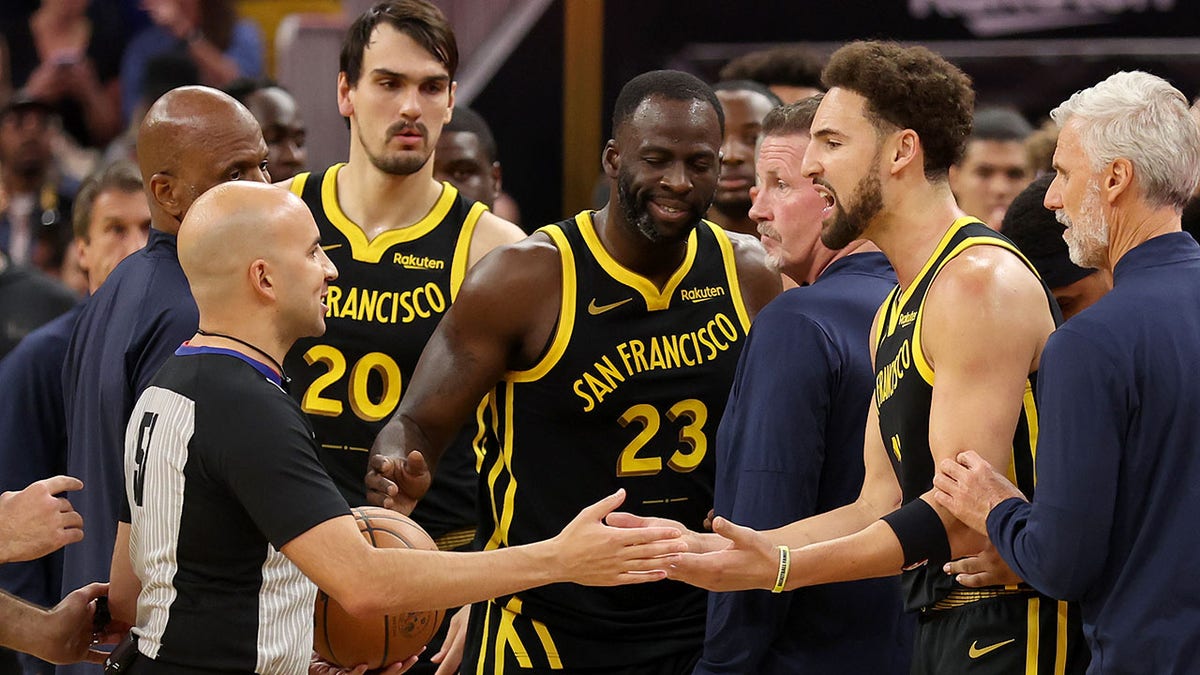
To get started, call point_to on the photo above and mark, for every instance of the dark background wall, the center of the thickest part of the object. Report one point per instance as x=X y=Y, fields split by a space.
x=1028 y=53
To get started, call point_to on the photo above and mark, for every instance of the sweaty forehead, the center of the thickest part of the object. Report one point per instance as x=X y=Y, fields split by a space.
x=659 y=119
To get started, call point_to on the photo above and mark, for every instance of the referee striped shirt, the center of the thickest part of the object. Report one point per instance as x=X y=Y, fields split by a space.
x=221 y=471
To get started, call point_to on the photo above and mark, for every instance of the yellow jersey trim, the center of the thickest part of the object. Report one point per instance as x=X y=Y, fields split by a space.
x=462 y=249
x=566 y=314
x=1032 y=636
x=506 y=636
x=504 y=517
x=1029 y=402
x=548 y=645
x=372 y=251
x=906 y=293
x=487 y=620
x=656 y=300
x=1060 y=647
x=886 y=311
x=735 y=287
x=298 y=183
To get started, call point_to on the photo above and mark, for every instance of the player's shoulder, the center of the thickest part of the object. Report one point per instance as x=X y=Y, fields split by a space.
x=986 y=272
x=492 y=231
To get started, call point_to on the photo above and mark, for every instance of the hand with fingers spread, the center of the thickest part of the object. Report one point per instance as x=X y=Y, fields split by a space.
x=985 y=568
x=595 y=554
x=36 y=521
x=397 y=483
x=747 y=561
x=697 y=542
x=449 y=657
x=970 y=488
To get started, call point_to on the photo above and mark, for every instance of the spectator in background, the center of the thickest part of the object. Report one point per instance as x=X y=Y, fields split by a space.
x=745 y=103
x=1039 y=149
x=466 y=157
x=993 y=168
x=792 y=72
x=282 y=125
x=28 y=299
x=209 y=33
x=35 y=224
x=67 y=55
x=111 y=221
x=163 y=73
x=1039 y=235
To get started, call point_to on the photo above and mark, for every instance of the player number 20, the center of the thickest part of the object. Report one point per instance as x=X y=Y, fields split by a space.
x=693 y=414
x=374 y=363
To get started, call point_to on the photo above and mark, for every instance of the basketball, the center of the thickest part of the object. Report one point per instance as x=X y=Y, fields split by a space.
x=378 y=641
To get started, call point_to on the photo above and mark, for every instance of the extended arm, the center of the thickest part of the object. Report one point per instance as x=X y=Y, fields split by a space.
x=982 y=358
x=365 y=579
x=501 y=320
x=1052 y=544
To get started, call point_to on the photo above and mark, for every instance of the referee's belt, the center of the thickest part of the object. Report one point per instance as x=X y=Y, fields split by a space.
x=455 y=539
x=965 y=596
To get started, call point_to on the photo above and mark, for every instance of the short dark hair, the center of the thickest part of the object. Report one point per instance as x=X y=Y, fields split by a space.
x=1039 y=235
x=468 y=121
x=166 y=72
x=672 y=85
x=419 y=19
x=791 y=65
x=793 y=118
x=999 y=124
x=120 y=175
x=909 y=88
x=243 y=87
x=748 y=85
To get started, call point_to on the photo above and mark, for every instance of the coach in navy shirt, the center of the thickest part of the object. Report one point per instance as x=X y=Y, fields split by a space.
x=1114 y=520
x=191 y=139
x=790 y=444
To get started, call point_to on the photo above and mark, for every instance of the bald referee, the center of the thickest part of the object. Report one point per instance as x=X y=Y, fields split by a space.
x=231 y=518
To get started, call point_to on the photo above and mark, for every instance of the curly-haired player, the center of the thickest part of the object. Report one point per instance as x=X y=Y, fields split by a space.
x=969 y=308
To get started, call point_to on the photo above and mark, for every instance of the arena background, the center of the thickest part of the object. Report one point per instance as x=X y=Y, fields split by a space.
x=541 y=71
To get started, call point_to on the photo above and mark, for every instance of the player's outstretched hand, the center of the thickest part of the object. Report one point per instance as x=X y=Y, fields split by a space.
x=36 y=521
x=594 y=554
x=985 y=568
x=697 y=542
x=970 y=488
x=319 y=666
x=449 y=657
x=397 y=483
x=748 y=560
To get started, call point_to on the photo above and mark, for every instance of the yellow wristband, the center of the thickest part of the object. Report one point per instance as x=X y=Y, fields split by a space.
x=785 y=565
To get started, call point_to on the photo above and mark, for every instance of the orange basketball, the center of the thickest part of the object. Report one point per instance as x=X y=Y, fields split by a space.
x=381 y=640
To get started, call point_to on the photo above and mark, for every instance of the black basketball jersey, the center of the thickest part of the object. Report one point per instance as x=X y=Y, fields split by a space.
x=628 y=394
x=904 y=390
x=389 y=296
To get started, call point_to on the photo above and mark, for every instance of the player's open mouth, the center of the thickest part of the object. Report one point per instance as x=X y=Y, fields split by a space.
x=825 y=194
x=668 y=212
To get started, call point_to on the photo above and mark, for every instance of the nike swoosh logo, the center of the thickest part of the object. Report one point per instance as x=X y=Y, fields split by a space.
x=975 y=652
x=597 y=310
x=330 y=247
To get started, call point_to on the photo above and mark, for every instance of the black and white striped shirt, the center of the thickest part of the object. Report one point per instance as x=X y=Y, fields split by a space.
x=221 y=471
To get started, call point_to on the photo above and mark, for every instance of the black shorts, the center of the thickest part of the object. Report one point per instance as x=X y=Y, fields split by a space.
x=522 y=646
x=1021 y=634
